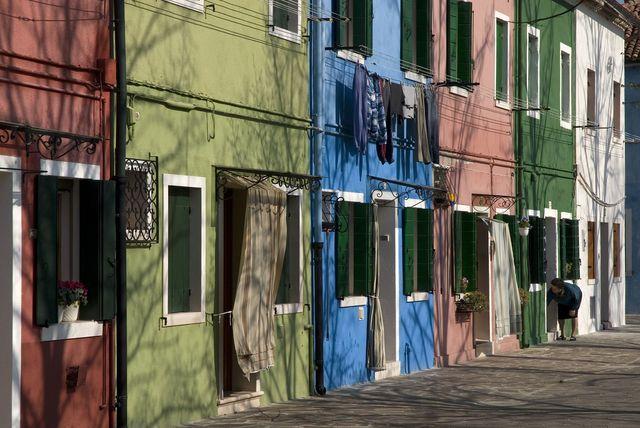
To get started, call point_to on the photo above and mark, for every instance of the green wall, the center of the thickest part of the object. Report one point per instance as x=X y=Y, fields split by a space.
x=181 y=63
x=547 y=152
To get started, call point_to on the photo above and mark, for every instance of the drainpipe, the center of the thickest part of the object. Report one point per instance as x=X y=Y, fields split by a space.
x=121 y=266
x=317 y=113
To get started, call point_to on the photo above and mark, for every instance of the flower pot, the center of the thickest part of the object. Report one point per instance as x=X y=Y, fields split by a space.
x=68 y=313
x=523 y=231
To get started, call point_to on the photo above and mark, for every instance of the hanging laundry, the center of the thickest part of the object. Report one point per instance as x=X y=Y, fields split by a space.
x=423 y=153
x=433 y=124
x=360 y=107
x=375 y=112
x=409 y=105
x=387 y=148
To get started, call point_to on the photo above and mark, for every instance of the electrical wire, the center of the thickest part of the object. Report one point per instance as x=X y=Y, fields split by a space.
x=546 y=18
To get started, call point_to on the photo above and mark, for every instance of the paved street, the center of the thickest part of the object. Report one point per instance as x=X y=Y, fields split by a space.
x=592 y=382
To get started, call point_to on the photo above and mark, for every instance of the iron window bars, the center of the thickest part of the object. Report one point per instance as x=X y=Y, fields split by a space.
x=330 y=221
x=287 y=180
x=48 y=143
x=141 y=195
x=381 y=185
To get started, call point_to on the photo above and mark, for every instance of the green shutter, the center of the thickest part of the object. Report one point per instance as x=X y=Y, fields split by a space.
x=465 y=37
x=425 y=250
x=409 y=223
x=537 y=251
x=408 y=38
x=340 y=27
x=179 y=258
x=423 y=35
x=512 y=221
x=98 y=248
x=452 y=40
x=46 y=251
x=569 y=249
x=361 y=249
x=501 y=40
x=342 y=249
x=465 y=250
x=362 y=25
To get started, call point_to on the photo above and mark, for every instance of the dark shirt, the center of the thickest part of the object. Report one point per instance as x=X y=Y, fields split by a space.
x=571 y=297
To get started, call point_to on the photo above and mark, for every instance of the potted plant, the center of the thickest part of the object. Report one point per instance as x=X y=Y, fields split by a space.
x=472 y=301
x=524 y=226
x=71 y=294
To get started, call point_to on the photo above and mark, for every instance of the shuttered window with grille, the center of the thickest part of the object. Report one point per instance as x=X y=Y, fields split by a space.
x=355 y=32
x=354 y=250
x=537 y=251
x=465 y=250
x=418 y=250
x=569 y=249
x=416 y=42
x=459 y=41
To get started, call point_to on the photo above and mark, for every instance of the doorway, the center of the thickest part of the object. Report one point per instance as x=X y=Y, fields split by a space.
x=605 y=277
x=551 y=238
x=387 y=223
x=483 y=321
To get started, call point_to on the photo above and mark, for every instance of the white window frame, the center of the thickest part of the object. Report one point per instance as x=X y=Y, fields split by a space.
x=283 y=33
x=536 y=33
x=295 y=307
x=565 y=49
x=192 y=182
x=196 y=5
x=504 y=18
x=76 y=329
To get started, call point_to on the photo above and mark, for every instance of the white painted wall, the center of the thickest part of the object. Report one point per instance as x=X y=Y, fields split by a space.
x=600 y=157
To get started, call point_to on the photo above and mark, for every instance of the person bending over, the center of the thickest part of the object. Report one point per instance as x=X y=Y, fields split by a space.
x=568 y=297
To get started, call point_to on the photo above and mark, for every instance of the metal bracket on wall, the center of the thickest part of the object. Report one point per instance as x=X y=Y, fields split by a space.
x=403 y=189
x=493 y=201
x=226 y=176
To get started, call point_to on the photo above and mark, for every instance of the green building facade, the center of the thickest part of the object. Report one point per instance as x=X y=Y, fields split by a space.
x=215 y=92
x=544 y=143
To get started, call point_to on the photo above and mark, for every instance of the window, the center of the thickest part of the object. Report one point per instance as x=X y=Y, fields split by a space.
x=416 y=43
x=502 y=59
x=616 y=250
x=284 y=19
x=356 y=33
x=197 y=5
x=354 y=259
x=75 y=241
x=459 y=41
x=141 y=199
x=533 y=71
x=565 y=86
x=591 y=249
x=616 y=109
x=569 y=249
x=289 y=295
x=183 y=249
x=537 y=251
x=417 y=244
x=465 y=250
x=591 y=97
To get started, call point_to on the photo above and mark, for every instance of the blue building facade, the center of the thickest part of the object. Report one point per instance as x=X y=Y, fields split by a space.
x=351 y=176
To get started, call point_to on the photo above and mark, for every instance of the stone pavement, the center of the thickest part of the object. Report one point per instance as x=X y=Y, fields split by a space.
x=593 y=382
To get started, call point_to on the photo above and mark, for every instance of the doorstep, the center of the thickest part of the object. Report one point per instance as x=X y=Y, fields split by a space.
x=239 y=402
x=392 y=369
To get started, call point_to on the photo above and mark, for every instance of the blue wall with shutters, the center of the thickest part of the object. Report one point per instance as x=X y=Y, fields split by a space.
x=346 y=170
x=632 y=203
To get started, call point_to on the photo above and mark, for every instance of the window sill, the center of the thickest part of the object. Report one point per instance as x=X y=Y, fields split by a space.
x=351 y=56
x=351 y=301
x=459 y=91
x=183 y=318
x=288 y=308
x=415 y=77
x=285 y=34
x=505 y=105
x=533 y=288
x=418 y=296
x=566 y=125
x=195 y=5
x=535 y=114
x=71 y=330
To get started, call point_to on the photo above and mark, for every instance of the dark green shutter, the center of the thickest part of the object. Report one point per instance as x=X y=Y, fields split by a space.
x=408 y=36
x=340 y=27
x=512 y=221
x=425 y=250
x=409 y=223
x=465 y=250
x=465 y=37
x=179 y=258
x=423 y=35
x=46 y=251
x=98 y=248
x=501 y=41
x=342 y=249
x=569 y=249
x=452 y=40
x=537 y=251
x=362 y=260
x=362 y=26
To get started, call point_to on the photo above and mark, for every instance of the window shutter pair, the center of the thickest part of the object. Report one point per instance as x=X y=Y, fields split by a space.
x=537 y=251
x=569 y=249
x=179 y=248
x=459 y=40
x=97 y=249
x=416 y=39
x=362 y=260
x=361 y=25
x=501 y=59
x=512 y=221
x=418 y=251
x=466 y=258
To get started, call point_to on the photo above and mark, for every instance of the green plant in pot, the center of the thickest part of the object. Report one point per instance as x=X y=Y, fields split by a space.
x=472 y=301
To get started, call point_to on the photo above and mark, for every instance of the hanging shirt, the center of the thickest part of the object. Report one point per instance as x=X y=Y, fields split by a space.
x=375 y=112
x=360 y=107
x=408 y=108
x=423 y=153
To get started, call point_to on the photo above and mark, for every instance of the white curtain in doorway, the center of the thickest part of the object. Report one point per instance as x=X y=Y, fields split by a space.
x=376 y=357
x=505 y=286
x=262 y=256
